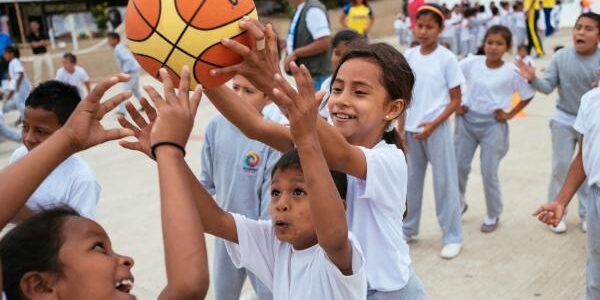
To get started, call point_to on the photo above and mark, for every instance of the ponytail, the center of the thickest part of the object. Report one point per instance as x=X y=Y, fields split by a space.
x=394 y=137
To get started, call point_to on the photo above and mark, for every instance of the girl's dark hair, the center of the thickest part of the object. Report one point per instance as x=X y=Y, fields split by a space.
x=396 y=76
x=590 y=15
x=291 y=160
x=437 y=17
x=13 y=50
x=503 y=31
x=33 y=246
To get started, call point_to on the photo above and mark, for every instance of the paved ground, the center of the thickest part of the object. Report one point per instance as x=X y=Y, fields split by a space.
x=522 y=260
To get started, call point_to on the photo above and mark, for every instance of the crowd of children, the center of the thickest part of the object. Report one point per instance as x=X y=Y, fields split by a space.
x=311 y=194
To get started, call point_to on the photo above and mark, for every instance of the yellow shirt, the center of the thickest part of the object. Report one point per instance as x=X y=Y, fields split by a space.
x=548 y=3
x=527 y=3
x=358 y=17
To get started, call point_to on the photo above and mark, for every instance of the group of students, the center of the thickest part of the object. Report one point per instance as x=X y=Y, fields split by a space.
x=310 y=188
x=465 y=25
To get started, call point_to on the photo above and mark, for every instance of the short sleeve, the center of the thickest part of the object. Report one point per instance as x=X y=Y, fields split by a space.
x=524 y=89
x=84 y=196
x=84 y=75
x=453 y=74
x=255 y=249
x=466 y=64
x=352 y=286
x=582 y=115
x=317 y=22
x=386 y=176
x=18 y=67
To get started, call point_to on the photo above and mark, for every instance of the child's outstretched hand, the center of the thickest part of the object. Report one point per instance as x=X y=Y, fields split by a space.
x=526 y=70
x=260 y=62
x=141 y=129
x=550 y=213
x=84 y=129
x=176 y=112
x=302 y=106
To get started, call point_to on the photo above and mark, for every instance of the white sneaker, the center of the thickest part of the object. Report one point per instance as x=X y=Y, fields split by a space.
x=451 y=250
x=584 y=226
x=560 y=228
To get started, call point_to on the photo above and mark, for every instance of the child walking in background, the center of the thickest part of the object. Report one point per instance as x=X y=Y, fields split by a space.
x=402 y=29
x=19 y=86
x=371 y=88
x=60 y=255
x=73 y=74
x=73 y=182
x=520 y=25
x=436 y=97
x=586 y=165
x=128 y=65
x=572 y=71
x=523 y=56
x=482 y=119
x=467 y=39
x=237 y=172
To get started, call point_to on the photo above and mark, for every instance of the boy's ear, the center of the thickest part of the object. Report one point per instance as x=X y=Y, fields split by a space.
x=38 y=286
x=395 y=109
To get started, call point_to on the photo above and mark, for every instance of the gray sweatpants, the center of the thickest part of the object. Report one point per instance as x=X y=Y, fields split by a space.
x=439 y=150
x=413 y=290
x=564 y=141
x=592 y=290
x=475 y=129
x=229 y=280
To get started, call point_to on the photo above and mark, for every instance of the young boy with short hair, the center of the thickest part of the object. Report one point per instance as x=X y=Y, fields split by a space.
x=585 y=165
x=73 y=74
x=73 y=182
x=128 y=65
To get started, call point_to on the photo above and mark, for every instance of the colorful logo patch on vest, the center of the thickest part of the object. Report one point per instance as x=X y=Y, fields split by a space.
x=251 y=161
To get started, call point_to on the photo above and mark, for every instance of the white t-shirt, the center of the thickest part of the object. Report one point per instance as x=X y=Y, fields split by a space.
x=588 y=124
x=14 y=69
x=436 y=73
x=316 y=21
x=375 y=210
x=465 y=30
x=72 y=183
x=294 y=274
x=77 y=78
x=490 y=89
x=519 y=19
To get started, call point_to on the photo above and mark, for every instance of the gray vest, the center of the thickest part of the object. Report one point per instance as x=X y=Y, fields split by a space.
x=319 y=64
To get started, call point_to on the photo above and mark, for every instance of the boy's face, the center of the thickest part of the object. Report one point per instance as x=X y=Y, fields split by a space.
x=38 y=125
x=290 y=209
x=338 y=51
x=112 y=42
x=68 y=65
x=7 y=56
x=248 y=92
x=586 y=36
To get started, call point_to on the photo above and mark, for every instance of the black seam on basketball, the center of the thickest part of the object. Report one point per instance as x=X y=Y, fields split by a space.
x=199 y=57
x=223 y=25
x=154 y=29
x=187 y=25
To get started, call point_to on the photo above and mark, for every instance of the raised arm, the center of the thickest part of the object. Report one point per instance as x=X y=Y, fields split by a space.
x=183 y=233
x=326 y=205
x=547 y=83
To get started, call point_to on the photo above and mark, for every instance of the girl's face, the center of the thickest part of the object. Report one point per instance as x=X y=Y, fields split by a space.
x=495 y=47
x=586 y=36
x=359 y=104
x=427 y=30
x=91 y=269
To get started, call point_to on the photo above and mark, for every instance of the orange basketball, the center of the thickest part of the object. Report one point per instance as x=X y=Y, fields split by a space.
x=174 y=33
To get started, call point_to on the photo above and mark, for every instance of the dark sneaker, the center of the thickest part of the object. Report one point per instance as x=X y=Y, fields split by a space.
x=485 y=228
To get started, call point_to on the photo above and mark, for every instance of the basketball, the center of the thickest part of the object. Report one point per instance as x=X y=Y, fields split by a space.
x=175 y=33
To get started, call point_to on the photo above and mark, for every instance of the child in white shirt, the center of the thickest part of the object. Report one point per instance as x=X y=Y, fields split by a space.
x=73 y=74
x=73 y=182
x=436 y=96
x=585 y=165
x=481 y=120
x=523 y=55
x=20 y=85
x=520 y=27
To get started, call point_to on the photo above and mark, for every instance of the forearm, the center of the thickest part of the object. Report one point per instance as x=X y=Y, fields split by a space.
x=215 y=220
x=543 y=85
x=517 y=109
x=20 y=179
x=245 y=117
x=317 y=47
x=455 y=102
x=339 y=154
x=183 y=233
x=575 y=178
x=327 y=210
x=19 y=81
x=343 y=21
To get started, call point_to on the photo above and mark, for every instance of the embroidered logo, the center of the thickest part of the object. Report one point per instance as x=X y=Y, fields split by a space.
x=251 y=161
